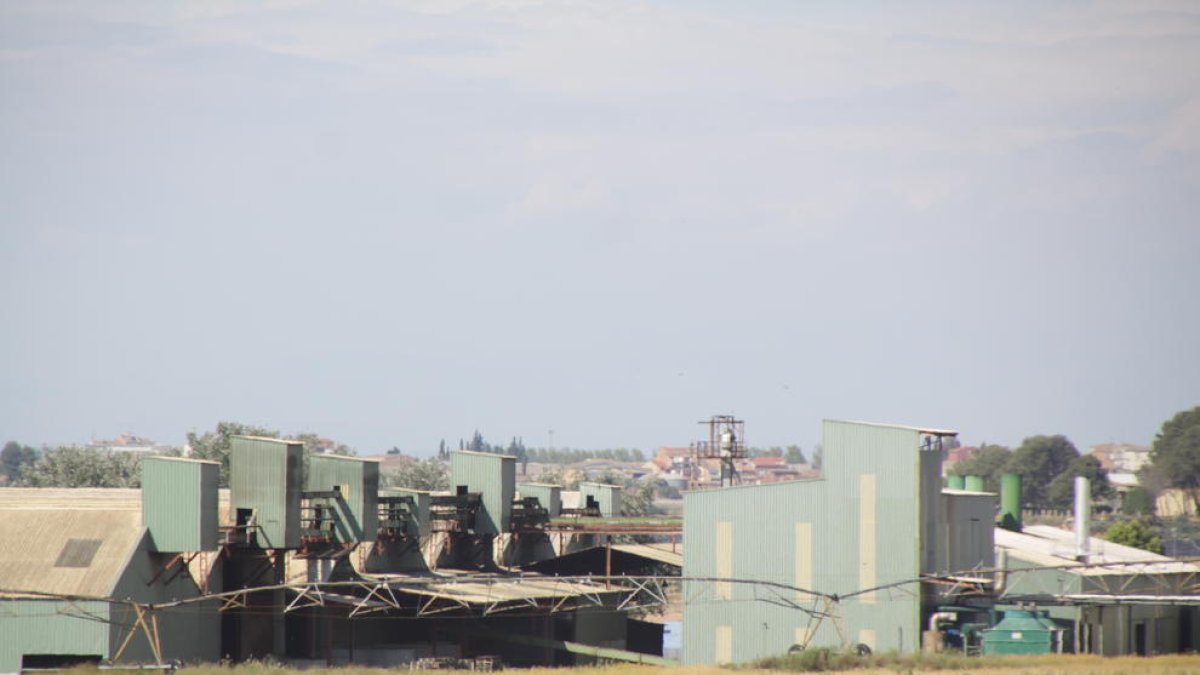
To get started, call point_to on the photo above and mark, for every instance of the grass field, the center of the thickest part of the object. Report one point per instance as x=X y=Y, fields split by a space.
x=881 y=665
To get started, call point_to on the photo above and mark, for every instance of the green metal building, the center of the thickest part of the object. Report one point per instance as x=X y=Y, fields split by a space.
x=876 y=518
x=357 y=482
x=91 y=544
x=608 y=497
x=1113 y=601
x=495 y=476
x=549 y=496
x=265 y=481
x=179 y=503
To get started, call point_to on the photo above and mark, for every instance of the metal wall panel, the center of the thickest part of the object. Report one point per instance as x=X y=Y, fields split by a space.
x=187 y=634
x=495 y=476
x=774 y=526
x=549 y=496
x=358 y=480
x=265 y=476
x=179 y=503
x=970 y=543
x=51 y=627
x=420 y=497
x=608 y=496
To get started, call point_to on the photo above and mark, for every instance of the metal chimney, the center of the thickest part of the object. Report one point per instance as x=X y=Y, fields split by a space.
x=1083 y=515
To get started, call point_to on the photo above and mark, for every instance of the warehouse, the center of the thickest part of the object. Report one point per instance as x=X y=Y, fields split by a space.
x=1110 y=599
x=77 y=568
x=833 y=561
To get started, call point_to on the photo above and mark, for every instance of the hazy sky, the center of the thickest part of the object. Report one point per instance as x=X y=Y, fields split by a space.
x=395 y=223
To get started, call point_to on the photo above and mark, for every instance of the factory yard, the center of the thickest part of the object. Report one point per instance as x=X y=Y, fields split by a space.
x=1175 y=664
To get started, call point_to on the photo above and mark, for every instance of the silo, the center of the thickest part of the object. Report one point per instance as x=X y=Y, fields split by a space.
x=1010 y=502
x=975 y=484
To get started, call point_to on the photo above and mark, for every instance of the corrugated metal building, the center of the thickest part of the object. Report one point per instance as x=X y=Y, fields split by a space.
x=265 y=480
x=90 y=544
x=1120 y=600
x=876 y=518
x=357 y=483
x=606 y=497
x=495 y=476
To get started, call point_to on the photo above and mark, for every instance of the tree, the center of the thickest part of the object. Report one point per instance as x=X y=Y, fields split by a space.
x=818 y=456
x=75 y=467
x=1138 y=502
x=1061 y=492
x=1135 y=533
x=314 y=443
x=425 y=474
x=1175 y=454
x=794 y=455
x=989 y=461
x=15 y=458
x=1039 y=460
x=214 y=445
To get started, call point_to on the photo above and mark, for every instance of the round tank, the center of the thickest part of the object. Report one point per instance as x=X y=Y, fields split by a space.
x=1020 y=632
x=955 y=482
x=1010 y=502
x=974 y=483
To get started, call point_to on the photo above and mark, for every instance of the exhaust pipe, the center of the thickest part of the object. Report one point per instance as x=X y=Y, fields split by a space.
x=1083 y=515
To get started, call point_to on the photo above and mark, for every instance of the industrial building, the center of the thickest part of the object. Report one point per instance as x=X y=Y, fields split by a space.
x=1113 y=600
x=306 y=559
x=836 y=560
x=303 y=559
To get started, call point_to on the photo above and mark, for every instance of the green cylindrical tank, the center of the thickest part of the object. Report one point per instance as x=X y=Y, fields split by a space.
x=955 y=482
x=1010 y=502
x=974 y=483
x=1020 y=632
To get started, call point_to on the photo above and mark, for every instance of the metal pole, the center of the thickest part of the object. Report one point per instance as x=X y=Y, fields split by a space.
x=608 y=562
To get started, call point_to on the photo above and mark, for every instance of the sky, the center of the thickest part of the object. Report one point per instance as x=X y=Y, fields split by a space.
x=597 y=223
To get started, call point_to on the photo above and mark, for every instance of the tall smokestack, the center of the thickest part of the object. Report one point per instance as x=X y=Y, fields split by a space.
x=1083 y=515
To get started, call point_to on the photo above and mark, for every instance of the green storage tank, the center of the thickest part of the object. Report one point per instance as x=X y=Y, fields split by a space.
x=1010 y=502
x=975 y=484
x=1021 y=632
x=956 y=482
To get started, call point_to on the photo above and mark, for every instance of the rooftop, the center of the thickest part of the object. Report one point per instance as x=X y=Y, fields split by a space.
x=1053 y=547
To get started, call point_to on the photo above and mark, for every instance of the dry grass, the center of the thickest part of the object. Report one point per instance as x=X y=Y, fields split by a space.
x=881 y=665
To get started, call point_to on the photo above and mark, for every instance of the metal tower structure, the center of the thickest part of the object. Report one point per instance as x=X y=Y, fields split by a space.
x=726 y=442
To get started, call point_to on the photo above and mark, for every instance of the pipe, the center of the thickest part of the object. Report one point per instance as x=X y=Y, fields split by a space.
x=1010 y=501
x=933 y=618
x=1083 y=515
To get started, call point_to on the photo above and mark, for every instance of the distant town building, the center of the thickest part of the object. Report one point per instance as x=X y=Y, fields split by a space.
x=1121 y=457
x=130 y=443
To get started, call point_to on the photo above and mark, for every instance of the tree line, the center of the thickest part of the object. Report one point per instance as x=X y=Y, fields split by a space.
x=74 y=466
x=1047 y=465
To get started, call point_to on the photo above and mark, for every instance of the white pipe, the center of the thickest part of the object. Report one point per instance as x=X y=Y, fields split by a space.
x=933 y=618
x=1083 y=515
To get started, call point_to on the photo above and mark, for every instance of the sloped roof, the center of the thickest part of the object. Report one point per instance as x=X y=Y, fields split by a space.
x=1053 y=547
x=656 y=553
x=67 y=542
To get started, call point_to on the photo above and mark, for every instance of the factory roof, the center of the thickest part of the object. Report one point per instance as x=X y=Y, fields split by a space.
x=656 y=553
x=483 y=454
x=67 y=542
x=922 y=430
x=1053 y=547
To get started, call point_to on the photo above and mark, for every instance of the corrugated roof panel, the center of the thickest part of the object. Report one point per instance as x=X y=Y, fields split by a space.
x=66 y=551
